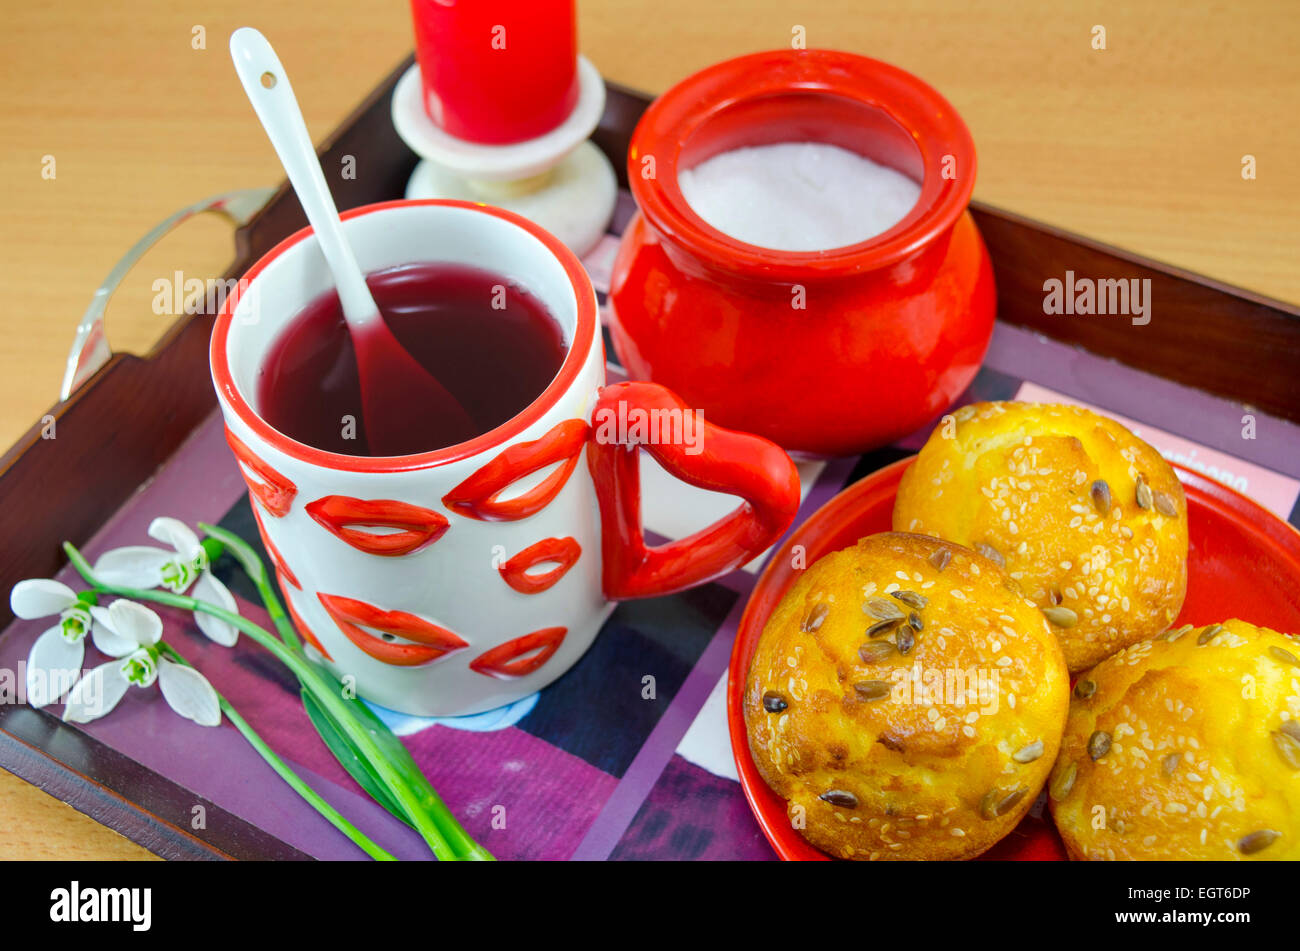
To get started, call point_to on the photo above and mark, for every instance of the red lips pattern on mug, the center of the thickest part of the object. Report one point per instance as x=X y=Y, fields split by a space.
x=563 y=551
x=432 y=641
x=339 y=514
x=521 y=656
x=515 y=658
x=477 y=496
x=274 y=490
x=277 y=560
x=302 y=627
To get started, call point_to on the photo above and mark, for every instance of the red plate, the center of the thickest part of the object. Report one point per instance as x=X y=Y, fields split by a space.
x=1243 y=562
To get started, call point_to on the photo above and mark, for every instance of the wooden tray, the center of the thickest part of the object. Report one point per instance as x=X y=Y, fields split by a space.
x=136 y=411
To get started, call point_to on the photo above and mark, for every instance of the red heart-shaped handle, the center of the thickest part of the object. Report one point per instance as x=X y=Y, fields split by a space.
x=699 y=453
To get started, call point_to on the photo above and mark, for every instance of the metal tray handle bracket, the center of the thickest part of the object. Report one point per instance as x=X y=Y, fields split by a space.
x=90 y=349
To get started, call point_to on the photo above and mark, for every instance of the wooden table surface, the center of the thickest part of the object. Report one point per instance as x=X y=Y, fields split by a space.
x=1140 y=145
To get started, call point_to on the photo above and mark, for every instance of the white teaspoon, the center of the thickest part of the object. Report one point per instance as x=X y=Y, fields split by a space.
x=394 y=386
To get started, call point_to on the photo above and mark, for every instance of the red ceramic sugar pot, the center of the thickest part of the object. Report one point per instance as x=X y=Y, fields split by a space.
x=826 y=352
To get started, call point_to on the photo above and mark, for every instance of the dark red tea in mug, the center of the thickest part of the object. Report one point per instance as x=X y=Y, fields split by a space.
x=492 y=344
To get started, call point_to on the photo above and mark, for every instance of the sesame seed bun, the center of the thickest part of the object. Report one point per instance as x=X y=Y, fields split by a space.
x=906 y=700
x=1186 y=746
x=1089 y=519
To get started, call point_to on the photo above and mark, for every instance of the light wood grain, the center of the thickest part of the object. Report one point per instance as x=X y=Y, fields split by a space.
x=34 y=825
x=1139 y=145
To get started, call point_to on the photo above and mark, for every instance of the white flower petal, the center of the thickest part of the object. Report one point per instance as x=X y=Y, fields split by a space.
x=40 y=597
x=107 y=640
x=171 y=531
x=136 y=566
x=209 y=589
x=95 y=694
x=53 y=666
x=188 y=693
x=130 y=620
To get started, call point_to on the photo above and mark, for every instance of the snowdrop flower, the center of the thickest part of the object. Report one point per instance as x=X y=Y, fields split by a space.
x=56 y=657
x=185 y=564
x=131 y=634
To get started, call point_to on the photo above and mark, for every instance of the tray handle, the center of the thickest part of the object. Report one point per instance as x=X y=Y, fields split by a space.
x=90 y=349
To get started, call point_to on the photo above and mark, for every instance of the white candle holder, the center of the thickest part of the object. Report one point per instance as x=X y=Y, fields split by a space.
x=560 y=180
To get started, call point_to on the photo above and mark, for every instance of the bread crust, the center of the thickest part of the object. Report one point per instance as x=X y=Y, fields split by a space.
x=927 y=771
x=1089 y=519
x=1192 y=765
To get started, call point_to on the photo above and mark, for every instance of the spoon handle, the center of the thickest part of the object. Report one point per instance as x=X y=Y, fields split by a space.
x=267 y=85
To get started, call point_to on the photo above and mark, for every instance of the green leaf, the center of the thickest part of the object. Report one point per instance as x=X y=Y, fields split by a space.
x=348 y=756
x=396 y=753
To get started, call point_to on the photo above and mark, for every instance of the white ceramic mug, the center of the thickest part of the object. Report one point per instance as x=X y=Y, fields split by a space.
x=457 y=580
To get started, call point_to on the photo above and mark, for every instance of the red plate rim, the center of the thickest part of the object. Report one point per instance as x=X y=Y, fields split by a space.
x=1280 y=537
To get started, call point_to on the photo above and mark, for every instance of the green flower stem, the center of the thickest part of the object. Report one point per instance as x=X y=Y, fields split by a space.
x=460 y=841
x=420 y=813
x=257 y=573
x=288 y=775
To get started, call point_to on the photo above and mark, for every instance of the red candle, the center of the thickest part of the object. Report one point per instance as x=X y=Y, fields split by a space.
x=497 y=72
